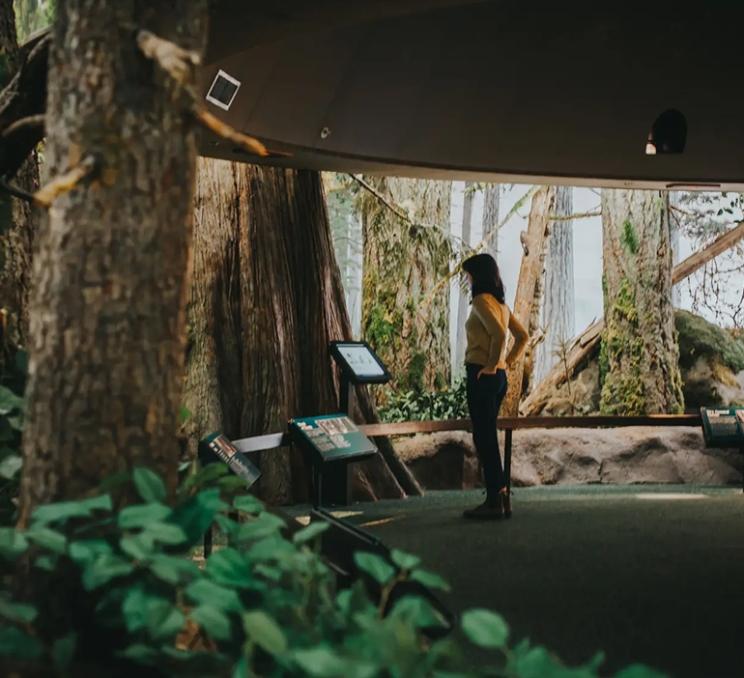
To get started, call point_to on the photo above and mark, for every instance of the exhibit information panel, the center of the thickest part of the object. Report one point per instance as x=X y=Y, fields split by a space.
x=219 y=445
x=331 y=437
x=723 y=427
x=359 y=362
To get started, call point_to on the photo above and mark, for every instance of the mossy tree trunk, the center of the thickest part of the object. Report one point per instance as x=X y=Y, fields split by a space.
x=558 y=302
x=405 y=322
x=266 y=298
x=108 y=301
x=17 y=218
x=463 y=297
x=639 y=360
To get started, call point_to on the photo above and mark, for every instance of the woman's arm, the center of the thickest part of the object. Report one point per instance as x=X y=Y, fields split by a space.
x=520 y=339
x=489 y=314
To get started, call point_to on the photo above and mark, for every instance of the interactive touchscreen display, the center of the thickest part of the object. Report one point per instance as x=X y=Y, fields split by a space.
x=359 y=362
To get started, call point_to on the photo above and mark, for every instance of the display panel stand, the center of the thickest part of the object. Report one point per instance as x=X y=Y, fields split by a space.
x=723 y=427
x=359 y=364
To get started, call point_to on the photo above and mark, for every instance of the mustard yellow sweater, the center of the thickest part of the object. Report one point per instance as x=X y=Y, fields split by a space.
x=486 y=328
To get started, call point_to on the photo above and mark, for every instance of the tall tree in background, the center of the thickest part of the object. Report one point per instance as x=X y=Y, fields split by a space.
x=266 y=298
x=17 y=219
x=639 y=360
x=463 y=298
x=558 y=299
x=403 y=261
x=108 y=301
x=490 y=221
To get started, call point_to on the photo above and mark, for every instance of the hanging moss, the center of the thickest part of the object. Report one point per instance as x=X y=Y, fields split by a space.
x=629 y=237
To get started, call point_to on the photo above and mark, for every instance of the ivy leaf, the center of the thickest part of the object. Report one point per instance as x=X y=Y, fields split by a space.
x=48 y=538
x=485 y=628
x=430 y=580
x=212 y=620
x=172 y=569
x=19 y=645
x=265 y=632
x=320 y=661
x=248 y=504
x=64 y=510
x=87 y=550
x=9 y=401
x=63 y=650
x=12 y=542
x=18 y=612
x=10 y=466
x=141 y=515
x=138 y=547
x=149 y=485
x=167 y=533
x=375 y=566
x=418 y=612
x=207 y=592
x=103 y=569
x=265 y=525
x=310 y=532
x=228 y=566
x=405 y=561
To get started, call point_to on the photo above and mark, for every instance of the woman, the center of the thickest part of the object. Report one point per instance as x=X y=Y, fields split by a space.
x=486 y=362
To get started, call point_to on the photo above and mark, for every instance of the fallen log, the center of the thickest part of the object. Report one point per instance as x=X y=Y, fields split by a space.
x=583 y=346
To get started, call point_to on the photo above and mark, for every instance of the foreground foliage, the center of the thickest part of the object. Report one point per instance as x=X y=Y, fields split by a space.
x=119 y=589
x=417 y=405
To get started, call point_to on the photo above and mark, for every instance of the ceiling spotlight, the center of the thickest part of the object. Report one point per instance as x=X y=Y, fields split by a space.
x=668 y=133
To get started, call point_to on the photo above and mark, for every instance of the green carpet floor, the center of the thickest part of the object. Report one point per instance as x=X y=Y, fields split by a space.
x=647 y=574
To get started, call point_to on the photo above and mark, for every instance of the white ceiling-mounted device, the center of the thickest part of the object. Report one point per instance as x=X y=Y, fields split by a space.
x=223 y=89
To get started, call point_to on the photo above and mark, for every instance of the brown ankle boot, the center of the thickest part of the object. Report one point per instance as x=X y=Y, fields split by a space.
x=491 y=509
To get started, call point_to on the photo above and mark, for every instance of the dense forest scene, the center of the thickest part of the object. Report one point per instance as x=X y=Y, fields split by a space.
x=169 y=321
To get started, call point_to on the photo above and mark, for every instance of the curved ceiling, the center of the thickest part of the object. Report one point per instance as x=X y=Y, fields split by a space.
x=501 y=89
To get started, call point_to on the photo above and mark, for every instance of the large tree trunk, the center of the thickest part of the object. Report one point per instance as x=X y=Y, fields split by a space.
x=491 y=207
x=528 y=288
x=639 y=360
x=557 y=308
x=463 y=298
x=17 y=220
x=266 y=299
x=402 y=263
x=107 y=310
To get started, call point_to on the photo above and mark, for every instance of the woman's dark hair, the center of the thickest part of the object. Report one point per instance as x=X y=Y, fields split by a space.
x=486 y=278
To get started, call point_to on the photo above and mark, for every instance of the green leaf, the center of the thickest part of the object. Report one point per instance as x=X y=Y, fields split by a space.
x=63 y=650
x=172 y=569
x=139 y=547
x=47 y=538
x=103 y=569
x=18 y=612
x=405 y=561
x=228 y=566
x=87 y=550
x=310 y=532
x=417 y=612
x=320 y=661
x=140 y=653
x=149 y=485
x=9 y=401
x=485 y=628
x=430 y=580
x=19 y=645
x=265 y=632
x=639 y=671
x=63 y=510
x=12 y=542
x=141 y=515
x=212 y=620
x=248 y=504
x=265 y=525
x=274 y=548
x=207 y=592
x=164 y=621
x=375 y=566
x=48 y=563
x=184 y=414
x=10 y=466
x=167 y=533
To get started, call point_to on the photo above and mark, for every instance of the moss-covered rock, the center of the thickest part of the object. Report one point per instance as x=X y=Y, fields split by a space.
x=698 y=337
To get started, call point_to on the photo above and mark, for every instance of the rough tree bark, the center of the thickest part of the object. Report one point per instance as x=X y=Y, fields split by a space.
x=491 y=207
x=639 y=358
x=266 y=298
x=557 y=308
x=530 y=272
x=463 y=298
x=107 y=310
x=402 y=263
x=17 y=219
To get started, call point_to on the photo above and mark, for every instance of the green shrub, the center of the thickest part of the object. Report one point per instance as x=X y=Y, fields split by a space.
x=12 y=384
x=449 y=403
x=118 y=590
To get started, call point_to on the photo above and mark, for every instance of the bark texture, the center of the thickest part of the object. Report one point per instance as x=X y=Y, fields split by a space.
x=528 y=289
x=17 y=218
x=266 y=298
x=639 y=359
x=491 y=208
x=108 y=304
x=557 y=308
x=463 y=298
x=402 y=264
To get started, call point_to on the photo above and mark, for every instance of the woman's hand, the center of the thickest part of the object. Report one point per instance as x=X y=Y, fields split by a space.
x=488 y=371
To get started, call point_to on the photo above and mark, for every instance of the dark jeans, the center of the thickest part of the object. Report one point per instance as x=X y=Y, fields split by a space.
x=484 y=400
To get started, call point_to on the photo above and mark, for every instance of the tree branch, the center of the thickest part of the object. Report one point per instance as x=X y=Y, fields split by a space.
x=34 y=123
x=225 y=131
x=176 y=61
x=64 y=183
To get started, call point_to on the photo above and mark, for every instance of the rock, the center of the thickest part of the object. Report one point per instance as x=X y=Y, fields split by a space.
x=577 y=456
